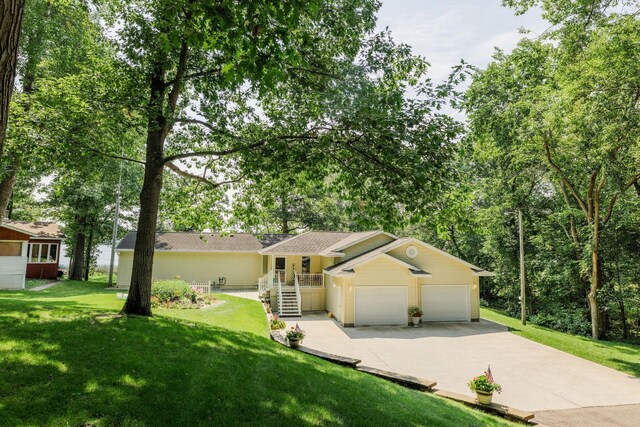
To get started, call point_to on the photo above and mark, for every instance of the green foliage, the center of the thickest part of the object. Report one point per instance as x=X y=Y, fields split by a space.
x=482 y=383
x=177 y=294
x=277 y=324
x=554 y=131
x=295 y=334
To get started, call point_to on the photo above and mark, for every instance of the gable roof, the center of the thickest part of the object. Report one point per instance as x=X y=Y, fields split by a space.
x=346 y=267
x=42 y=229
x=476 y=271
x=324 y=243
x=204 y=242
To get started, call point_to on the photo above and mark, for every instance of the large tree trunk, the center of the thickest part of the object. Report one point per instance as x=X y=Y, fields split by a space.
x=76 y=268
x=11 y=13
x=6 y=188
x=139 y=298
x=87 y=259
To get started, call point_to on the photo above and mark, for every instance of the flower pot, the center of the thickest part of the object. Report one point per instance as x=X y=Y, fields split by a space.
x=483 y=397
x=294 y=343
x=416 y=321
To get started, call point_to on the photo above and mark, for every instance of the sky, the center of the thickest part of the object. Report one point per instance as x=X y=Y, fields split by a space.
x=446 y=31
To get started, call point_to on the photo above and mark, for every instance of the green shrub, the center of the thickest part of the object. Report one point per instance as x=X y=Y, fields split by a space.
x=568 y=320
x=177 y=294
x=277 y=324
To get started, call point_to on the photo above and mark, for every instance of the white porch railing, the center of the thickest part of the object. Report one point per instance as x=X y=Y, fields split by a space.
x=279 y=294
x=265 y=283
x=310 y=280
x=297 y=285
x=205 y=288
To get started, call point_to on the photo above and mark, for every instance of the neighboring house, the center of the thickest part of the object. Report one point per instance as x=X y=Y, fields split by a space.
x=364 y=278
x=28 y=249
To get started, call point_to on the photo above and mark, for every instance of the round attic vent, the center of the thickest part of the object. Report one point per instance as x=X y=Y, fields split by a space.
x=412 y=251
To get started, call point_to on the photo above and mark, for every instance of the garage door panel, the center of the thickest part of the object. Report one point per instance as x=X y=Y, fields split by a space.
x=380 y=305
x=445 y=303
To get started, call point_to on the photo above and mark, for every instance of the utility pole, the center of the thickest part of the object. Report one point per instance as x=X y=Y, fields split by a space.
x=115 y=225
x=523 y=305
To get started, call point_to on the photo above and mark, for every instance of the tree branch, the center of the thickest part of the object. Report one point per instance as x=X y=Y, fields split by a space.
x=177 y=81
x=564 y=179
x=213 y=152
x=200 y=178
x=113 y=156
x=633 y=181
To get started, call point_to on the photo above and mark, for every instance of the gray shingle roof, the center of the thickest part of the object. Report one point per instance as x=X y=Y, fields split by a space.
x=205 y=242
x=37 y=228
x=318 y=242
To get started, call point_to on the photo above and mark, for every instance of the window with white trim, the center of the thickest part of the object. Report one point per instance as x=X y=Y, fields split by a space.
x=42 y=253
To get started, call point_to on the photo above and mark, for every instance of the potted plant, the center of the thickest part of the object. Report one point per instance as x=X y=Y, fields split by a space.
x=295 y=336
x=484 y=386
x=415 y=313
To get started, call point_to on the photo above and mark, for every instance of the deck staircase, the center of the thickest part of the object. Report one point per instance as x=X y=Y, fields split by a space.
x=289 y=301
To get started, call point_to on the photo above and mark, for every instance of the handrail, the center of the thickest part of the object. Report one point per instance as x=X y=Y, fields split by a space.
x=279 y=296
x=297 y=285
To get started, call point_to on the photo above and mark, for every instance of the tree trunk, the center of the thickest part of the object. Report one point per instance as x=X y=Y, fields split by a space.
x=6 y=188
x=11 y=12
x=597 y=332
x=139 y=298
x=87 y=259
x=77 y=271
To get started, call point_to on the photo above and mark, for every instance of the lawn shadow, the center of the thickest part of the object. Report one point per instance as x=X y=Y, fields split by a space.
x=62 y=365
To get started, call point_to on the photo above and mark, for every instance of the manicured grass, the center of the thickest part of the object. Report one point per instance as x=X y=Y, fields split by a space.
x=61 y=364
x=620 y=356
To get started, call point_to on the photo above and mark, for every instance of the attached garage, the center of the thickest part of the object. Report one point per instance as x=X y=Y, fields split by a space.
x=380 y=305
x=446 y=303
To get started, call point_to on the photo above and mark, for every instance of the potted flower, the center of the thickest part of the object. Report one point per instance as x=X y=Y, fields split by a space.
x=484 y=386
x=295 y=336
x=415 y=313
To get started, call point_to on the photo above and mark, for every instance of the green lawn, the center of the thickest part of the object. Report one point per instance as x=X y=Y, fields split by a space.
x=621 y=356
x=61 y=364
x=32 y=283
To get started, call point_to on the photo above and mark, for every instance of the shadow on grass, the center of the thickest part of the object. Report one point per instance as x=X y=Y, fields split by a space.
x=60 y=365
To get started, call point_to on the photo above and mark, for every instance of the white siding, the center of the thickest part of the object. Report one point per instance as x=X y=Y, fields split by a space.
x=13 y=270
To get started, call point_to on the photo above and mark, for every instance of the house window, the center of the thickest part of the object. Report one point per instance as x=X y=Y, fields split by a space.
x=306 y=265
x=42 y=253
x=281 y=263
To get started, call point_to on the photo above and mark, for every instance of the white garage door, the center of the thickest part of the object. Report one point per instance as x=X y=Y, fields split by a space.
x=445 y=302
x=381 y=305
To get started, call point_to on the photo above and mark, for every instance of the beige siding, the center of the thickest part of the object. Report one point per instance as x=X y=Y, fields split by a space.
x=366 y=245
x=379 y=272
x=125 y=264
x=444 y=271
x=241 y=270
x=312 y=299
x=335 y=296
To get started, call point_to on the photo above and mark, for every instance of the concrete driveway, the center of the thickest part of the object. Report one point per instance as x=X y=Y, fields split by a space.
x=534 y=377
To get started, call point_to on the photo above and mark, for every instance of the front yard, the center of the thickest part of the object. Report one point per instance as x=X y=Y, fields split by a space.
x=66 y=359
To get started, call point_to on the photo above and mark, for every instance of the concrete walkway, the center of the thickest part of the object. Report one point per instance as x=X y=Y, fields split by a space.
x=534 y=377
x=43 y=287
x=242 y=293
